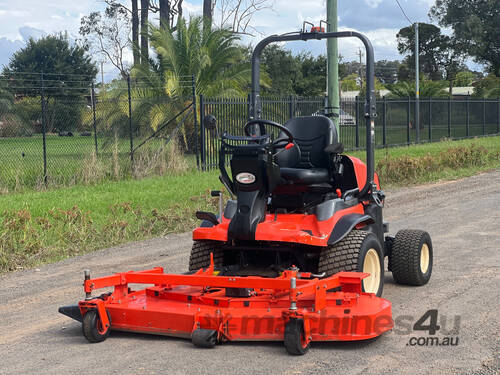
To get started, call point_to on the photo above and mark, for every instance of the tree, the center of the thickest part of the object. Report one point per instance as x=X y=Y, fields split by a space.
x=170 y=11
x=144 y=31
x=213 y=57
x=488 y=87
x=135 y=33
x=387 y=71
x=283 y=70
x=312 y=80
x=451 y=59
x=208 y=9
x=427 y=89
x=464 y=78
x=350 y=83
x=109 y=35
x=237 y=15
x=475 y=25
x=69 y=64
x=430 y=44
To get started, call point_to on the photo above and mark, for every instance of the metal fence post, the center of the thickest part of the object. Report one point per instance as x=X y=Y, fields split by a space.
x=249 y=107
x=195 y=123
x=291 y=108
x=130 y=123
x=449 y=116
x=202 y=133
x=430 y=119
x=384 y=123
x=44 y=129
x=498 y=115
x=484 y=116
x=357 y=121
x=92 y=98
x=408 y=121
x=467 y=124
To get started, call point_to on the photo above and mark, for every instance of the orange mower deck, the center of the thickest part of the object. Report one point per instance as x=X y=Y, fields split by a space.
x=208 y=309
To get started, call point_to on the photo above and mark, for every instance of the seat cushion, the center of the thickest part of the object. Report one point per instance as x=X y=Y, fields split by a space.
x=305 y=176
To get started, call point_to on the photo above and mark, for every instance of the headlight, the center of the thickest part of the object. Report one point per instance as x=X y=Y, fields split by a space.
x=245 y=178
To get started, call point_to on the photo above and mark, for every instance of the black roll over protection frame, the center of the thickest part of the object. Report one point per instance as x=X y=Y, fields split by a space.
x=370 y=189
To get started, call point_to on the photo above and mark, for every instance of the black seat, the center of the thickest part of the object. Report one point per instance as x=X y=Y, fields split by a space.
x=308 y=163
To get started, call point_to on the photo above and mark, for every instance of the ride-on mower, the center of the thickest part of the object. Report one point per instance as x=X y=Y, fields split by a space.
x=297 y=256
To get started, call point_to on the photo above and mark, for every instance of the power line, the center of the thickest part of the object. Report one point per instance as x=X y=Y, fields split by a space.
x=402 y=10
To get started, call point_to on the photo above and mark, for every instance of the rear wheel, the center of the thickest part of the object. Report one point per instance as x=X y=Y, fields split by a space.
x=359 y=251
x=411 y=257
x=200 y=255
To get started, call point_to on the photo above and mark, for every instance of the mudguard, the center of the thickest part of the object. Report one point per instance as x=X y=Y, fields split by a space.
x=346 y=224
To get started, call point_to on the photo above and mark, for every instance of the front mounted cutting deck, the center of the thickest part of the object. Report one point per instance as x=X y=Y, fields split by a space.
x=293 y=308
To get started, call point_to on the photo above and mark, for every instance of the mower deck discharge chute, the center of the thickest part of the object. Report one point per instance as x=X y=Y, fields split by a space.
x=296 y=201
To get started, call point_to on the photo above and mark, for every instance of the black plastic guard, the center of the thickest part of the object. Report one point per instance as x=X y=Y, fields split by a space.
x=345 y=225
x=72 y=311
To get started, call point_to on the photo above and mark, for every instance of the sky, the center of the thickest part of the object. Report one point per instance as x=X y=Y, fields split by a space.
x=380 y=20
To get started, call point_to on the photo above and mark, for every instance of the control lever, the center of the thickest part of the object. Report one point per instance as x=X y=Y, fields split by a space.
x=218 y=193
x=287 y=147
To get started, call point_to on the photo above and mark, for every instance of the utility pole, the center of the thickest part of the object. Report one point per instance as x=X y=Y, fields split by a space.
x=102 y=73
x=417 y=87
x=360 y=71
x=333 y=64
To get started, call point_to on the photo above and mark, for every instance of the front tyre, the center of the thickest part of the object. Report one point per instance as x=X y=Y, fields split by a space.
x=412 y=257
x=200 y=255
x=359 y=251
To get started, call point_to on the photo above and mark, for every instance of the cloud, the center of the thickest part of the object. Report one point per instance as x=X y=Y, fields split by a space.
x=8 y=47
x=31 y=32
x=379 y=19
x=373 y=3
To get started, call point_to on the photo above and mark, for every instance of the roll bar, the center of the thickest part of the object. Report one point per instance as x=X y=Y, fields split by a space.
x=370 y=105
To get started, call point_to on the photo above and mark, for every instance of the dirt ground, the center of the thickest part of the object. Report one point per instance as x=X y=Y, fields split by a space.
x=462 y=217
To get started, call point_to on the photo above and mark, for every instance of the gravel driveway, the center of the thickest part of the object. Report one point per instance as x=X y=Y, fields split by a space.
x=463 y=218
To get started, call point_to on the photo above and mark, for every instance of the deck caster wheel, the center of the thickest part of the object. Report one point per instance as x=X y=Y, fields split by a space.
x=295 y=340
x=411 y=257
x=204 y=338
x=92 y=327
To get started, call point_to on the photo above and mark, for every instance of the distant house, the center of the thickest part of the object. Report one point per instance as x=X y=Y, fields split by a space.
x=457 y=92
x=351 y=95
x=461 y=91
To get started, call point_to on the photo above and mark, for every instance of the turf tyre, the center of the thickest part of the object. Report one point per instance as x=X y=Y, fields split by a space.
x=406 y=257
x=200 y=255
x=349 y=255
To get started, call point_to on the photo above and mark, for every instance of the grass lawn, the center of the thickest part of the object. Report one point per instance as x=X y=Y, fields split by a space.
x=44 y=226
x=68 y=159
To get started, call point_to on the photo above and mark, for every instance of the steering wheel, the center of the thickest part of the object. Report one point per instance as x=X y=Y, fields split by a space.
x=280 y=142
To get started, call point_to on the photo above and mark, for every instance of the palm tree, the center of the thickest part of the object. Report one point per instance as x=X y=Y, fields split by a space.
x=211 y=56
x=428 y=89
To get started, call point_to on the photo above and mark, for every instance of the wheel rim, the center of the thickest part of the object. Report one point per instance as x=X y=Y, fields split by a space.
x=424 y=258
x=371 y=265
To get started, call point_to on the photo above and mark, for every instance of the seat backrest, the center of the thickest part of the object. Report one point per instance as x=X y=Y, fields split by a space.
x=312 y=134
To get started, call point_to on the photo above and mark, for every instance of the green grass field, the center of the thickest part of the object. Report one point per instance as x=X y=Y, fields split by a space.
x=70 y=160
x=44 y=226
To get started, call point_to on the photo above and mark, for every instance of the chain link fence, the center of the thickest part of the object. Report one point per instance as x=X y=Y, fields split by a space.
x=440 y=118
x=61 y=130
